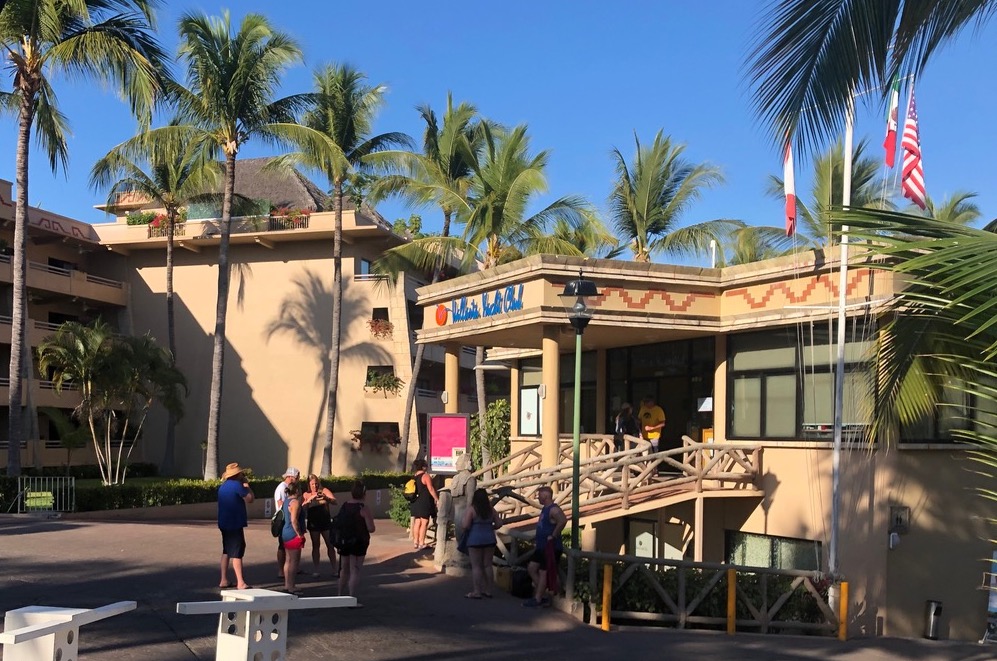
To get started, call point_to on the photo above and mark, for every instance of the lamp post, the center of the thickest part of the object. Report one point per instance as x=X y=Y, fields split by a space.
x=574 y=295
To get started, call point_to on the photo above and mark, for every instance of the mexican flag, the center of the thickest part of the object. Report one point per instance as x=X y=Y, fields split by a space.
x=789 y=186
x=890 y=143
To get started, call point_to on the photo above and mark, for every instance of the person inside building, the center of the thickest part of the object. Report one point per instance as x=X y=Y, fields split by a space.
x=652 y=421
x=290 y=475
x=549 y=547
x=625 y=424
x=317 y=500
x=427 y=501
x=233 y=496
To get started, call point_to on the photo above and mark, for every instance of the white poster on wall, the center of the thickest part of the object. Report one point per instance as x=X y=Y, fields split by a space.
x=529 y=412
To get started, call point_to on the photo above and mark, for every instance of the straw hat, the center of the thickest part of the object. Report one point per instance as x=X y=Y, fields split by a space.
x=232 y=470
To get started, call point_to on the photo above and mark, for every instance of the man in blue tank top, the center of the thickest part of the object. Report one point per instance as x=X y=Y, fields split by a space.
x=549 y=547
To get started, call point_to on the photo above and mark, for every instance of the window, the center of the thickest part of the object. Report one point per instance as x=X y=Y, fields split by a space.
x=771 y=552
x=379 y=314
x=415 y=316
x=379 y=434
x=781 y=382
x=374 y=371
x=363 y=267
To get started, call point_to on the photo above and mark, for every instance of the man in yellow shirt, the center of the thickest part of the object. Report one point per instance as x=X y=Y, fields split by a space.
x=652 y=421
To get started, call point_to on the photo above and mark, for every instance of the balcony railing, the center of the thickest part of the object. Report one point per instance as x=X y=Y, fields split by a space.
x=179 y=229
x=369 y=277
x=47 y=268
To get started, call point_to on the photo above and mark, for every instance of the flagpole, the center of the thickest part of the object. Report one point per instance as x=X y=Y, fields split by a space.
x=839 y=372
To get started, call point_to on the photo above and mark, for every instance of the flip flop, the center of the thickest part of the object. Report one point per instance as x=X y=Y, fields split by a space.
x=225 y=587
x=472 y=595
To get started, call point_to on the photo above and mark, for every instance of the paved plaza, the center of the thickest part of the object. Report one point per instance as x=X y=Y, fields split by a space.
x=410 y=611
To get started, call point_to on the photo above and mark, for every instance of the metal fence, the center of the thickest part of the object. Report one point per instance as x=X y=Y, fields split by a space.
x=46 y=494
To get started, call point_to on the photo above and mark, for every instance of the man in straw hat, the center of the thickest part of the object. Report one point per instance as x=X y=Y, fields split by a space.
x=233 y=496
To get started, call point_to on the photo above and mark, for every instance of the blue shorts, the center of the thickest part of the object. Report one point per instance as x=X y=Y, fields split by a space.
x=234 y=543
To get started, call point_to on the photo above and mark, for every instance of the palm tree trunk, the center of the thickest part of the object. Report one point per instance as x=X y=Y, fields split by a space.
x=218 y=355
x=479 y=384
x=336 y=339
x=19 y=271
x=167 y=467
x=420 y=350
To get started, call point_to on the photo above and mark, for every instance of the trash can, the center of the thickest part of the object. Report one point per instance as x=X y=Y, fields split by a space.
x=932 y=618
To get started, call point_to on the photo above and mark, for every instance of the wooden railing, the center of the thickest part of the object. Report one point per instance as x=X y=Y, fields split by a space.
x=607 y=475
x=780 y=599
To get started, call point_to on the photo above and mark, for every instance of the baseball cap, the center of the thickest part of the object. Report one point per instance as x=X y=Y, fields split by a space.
x=292 y=472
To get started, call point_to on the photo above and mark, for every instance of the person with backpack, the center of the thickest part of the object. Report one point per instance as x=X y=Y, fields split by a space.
x=426 y=503
x=625 y=425
x=352 y=528
x=293 y=535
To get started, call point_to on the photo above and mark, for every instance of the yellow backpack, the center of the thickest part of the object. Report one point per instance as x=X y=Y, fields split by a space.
x=410 y=491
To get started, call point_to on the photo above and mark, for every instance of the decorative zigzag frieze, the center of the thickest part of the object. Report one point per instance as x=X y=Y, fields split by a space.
x=795 y=295
x=673 y=302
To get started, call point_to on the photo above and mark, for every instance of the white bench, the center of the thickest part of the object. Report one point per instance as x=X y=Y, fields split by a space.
x=44 y=633
x=252 y=624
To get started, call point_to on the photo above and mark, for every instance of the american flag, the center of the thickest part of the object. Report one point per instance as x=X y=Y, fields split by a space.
x=912 y=182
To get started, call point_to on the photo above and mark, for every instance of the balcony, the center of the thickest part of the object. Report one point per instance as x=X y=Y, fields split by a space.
x=68 y=282
x=36 y=330
x=43 y=393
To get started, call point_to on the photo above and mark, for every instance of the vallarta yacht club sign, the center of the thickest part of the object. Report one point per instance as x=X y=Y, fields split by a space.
x=488 y=304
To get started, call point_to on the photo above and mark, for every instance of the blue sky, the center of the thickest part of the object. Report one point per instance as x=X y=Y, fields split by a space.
x=583 y=75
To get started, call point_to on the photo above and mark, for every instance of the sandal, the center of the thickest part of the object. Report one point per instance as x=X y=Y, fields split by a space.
x=472 y=595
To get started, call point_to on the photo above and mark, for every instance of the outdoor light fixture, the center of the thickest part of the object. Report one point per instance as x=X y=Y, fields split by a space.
x=579 y=314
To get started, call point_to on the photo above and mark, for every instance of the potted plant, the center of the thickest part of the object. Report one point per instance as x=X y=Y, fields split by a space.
x=383 y=382
x=376 y=442
x=380 y=328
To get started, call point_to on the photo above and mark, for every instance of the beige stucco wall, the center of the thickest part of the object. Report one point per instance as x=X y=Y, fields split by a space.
x=273 y=406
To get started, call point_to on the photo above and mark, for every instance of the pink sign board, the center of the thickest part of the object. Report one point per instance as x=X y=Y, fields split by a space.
x=448 y=434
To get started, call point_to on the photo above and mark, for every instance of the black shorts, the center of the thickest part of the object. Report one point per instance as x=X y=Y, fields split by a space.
x=234 y=543
x=539 y=557
x=355 y=547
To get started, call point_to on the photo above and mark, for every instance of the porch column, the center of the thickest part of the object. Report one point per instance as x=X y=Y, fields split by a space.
x=514 y=399
x=720 y=389
x=451 y=378
x=550 y=378
x=601 y=388
x=698 y=533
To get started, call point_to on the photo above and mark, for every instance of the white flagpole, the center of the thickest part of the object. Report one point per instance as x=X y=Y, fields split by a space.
x=839 y=372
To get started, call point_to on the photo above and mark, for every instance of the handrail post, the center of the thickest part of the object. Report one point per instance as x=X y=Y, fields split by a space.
x=843 y=612
x=731 y=601
x=607 y=594
x=569 y=589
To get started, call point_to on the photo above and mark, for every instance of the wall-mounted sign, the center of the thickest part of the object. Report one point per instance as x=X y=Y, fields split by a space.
x=489 y=304
x=448 y=436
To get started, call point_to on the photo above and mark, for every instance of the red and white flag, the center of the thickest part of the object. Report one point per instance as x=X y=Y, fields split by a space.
x=912 y=179
x=789 y=185
x=890 y=143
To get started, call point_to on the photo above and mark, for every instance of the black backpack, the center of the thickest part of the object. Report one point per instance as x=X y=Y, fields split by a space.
x=348 y=526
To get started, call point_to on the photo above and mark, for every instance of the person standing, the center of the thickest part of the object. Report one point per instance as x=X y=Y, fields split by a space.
x=624 y=425
x=290 y=475
x=317 y=500
x=480 y=521
x=652 y=421
x=425 y=505
x=356 y=524
x=292 y=535
x=549 y=547
x=233 y=496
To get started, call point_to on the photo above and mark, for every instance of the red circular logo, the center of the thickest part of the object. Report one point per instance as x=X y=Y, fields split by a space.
x=441 y=315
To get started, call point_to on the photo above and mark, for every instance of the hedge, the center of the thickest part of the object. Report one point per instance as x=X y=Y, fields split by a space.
x=183 y=491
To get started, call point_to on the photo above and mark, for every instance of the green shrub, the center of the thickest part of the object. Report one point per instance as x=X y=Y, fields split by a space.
x=399 y=510
x=140 y=217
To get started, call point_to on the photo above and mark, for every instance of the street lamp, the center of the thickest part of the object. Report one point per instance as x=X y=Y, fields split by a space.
x=579 y=314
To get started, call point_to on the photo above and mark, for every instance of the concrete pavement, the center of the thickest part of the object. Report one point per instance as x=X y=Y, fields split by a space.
x=410 y=611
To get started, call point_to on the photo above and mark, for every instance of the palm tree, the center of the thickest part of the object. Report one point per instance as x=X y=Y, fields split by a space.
x=497 y=223
x=229 y=98
x=118 y=377
x=814 y=215
x=104 y=40
x=339 y=120
x=811 y=57
x=754 y=243
x=650 y=196
x=440 y=175
x=168 y=176
x=958 y=209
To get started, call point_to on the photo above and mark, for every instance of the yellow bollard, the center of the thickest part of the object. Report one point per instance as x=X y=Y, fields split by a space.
x=731 y=602
x=607 y=594
x=843 y=612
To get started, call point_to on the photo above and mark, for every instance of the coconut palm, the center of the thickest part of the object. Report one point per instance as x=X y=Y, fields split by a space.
x=168 y=176
x=754 y=243
x=229 y=97
x=119 y=379
x=814 y=214
x=497 y=224
x=110 y=41
x=650 y=196
x=810 y=57
x=958 y=209
x=440 y=175
x=339 y=122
